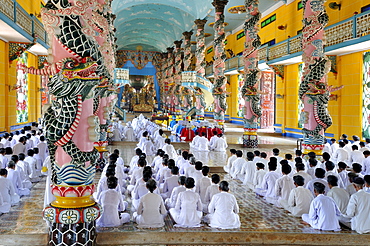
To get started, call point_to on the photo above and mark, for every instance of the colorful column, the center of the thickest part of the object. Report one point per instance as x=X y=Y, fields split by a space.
x=71 y=127
x=177 y=89
x=164 y=82
x=200 y=103
x=219 y=85
x=188 y=94
x=314 y=90
x=252 y=110
x=170 y=80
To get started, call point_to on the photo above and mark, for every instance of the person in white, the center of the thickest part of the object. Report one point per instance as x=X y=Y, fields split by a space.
x=170 y=183
x=213 y=139
x=38 y=161
x=323 y=213
x=20 y=147
x=366 y=163
x=137 y=174
x=248 y=170
x=224 y=209
x=211 y=190
x=43 y=148
x=140 y=190
x=5 y=140
x=46 y=170
x=299 y=199
x=129 y=132
x=113 y=206
x=284 y=185
x=362 y=147
x=188 y=208
x=327 y=148
x=169 y=149
x=320 y=177
x=334 y=145
x=15 y=177
x=201 y=186
x=7 y=189
x=268 y=184
x=341 y=154
x=356 y=156
x=197 y=173
x=149 y=150
x=230 y=160
x=171 y=202
x=183 y=162
x=359 y=208
x=258 y=175
x=194 y=142
x=24 y=169
x=301 y=172
x=339 y=195
x=219 y=144
x=3 y=159
x=237 y=165
x=202 y=143
x=159 y=139
x=32 y=162
x=151 y=209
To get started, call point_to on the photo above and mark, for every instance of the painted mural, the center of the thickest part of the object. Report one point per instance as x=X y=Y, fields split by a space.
x=22 y=90
x=267 y=100
x=300 y=104
x=241 y=101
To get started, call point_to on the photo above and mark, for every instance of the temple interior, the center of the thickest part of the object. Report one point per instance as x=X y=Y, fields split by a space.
x=266 y=74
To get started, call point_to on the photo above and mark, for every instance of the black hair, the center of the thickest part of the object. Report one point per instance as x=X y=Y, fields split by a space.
x=342 y=144
x=299 y=180
x=215 y=178
x=298 y=160
x=250 y=156
x=354 y=147
x=15 y=158
x=8 y=151
x=286 y=168
x=367 y=179
x=175 y=170
x=263 y=155
x=260 y=165
x=171 y=163
x=138 y=151
x=288 y=156
x=257 y=153
x=3 y=172
x=224 y=186
x=332 y=180
x=182 y=180
x=319 y=187
x=151 y=185
x=357 y=168
x=298 y=152
x=30 y=152
x=326 y=156
x=141 y=162
x=342 y=165
x=42 y=138
x=112 y=182
x=233 y=151
x=189 y=183
x=205 y=170
x=239 y=153
x=320 y=173
x=329 y=165
x=11 y=164
x=312 y=162
x=36 y=150
x=198 y=165
x=272 y=166
x=300 y=166
x=275 y=151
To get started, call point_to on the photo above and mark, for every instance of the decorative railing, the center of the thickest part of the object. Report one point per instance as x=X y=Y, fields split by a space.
x=351 y=28
x=11 y=11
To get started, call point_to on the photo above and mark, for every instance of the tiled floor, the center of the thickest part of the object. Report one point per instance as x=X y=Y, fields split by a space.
x=256 y=215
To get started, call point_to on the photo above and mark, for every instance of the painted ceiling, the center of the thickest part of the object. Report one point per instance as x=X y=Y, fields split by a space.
x=156 y=24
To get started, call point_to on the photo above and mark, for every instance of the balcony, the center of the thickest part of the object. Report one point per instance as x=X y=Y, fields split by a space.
x=351 y=31
x=18 y=19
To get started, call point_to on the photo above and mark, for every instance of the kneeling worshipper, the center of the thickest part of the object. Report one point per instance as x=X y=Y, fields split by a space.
x=7 y=189
x=113 y=206
x=324 y=213
x=224 y=209
x=188 y=208
x=15 y=177
x=151 y=209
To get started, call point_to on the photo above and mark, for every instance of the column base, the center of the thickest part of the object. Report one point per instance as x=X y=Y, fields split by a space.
x=81 y=234
x=250 y=141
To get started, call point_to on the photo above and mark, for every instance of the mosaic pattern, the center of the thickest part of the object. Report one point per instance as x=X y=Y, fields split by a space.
x=22 y=90
x=366 y=97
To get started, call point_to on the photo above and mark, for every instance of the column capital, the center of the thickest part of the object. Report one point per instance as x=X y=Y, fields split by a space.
x=220 y=5
x=170 y=50
x=178 y=44
x=200 y=23
x=187 y=35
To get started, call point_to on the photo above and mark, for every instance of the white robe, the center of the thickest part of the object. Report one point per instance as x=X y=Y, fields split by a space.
x=112 y=202
x=201 y=187
x=230 y=160
x=258 y=178
x=224 y=211
x=248 y=170
x=32 y=162
x=170 y=151
x=219 y=145
x=359 y=209
x=15 y=177
x=43 y=150
x=283 y=186
x=150 y=211
x=340 y=197
x=49 y=197
x=4 y=206
x=169 y=184
x=298 y=202
x=323 y=214
x=171 y=202
x=237 y=166
x=202 y=144
x=188 y=209
x=8 y=192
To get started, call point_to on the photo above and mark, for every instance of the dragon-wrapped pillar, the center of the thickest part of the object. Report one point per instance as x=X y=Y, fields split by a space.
x=177 y=89
x=170 y=81
x=219 y=85
x=252 y=110
x=188 y=94
x=314 y=90
x=200 y=65
x=71 y=128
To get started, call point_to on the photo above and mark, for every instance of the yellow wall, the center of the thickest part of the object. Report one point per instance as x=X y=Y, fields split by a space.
x=232 y=100
x=3 y=85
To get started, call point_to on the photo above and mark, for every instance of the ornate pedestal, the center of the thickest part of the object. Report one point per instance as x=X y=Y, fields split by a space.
x=250 y=138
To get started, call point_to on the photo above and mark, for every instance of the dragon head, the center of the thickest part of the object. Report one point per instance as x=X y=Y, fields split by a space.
x=74 y=78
